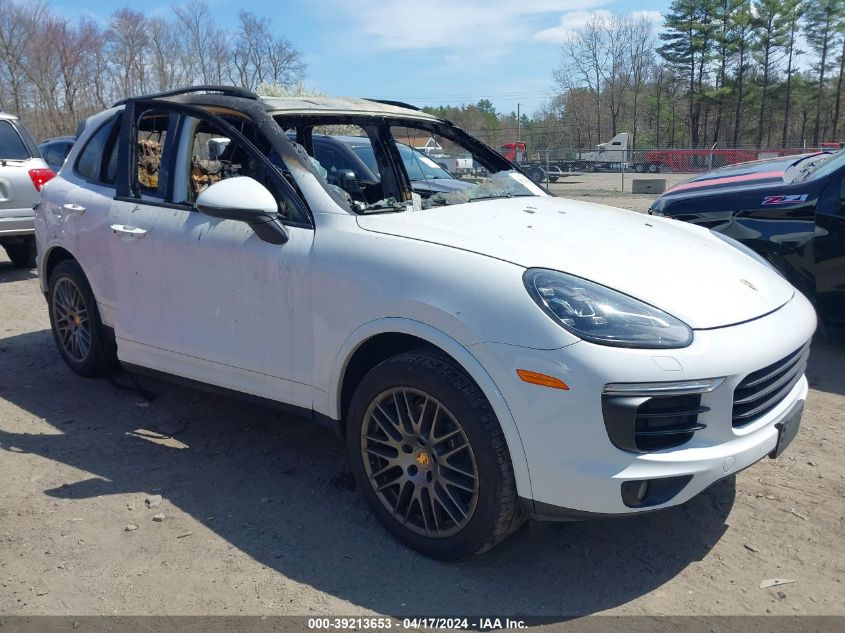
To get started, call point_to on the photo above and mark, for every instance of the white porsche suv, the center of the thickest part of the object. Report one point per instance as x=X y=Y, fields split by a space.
x=489 y=354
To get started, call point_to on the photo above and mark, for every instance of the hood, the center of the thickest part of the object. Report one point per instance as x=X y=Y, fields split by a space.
x=759 y=172
x=677 y=267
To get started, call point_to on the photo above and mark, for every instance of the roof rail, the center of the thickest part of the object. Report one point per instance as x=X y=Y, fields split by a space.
x=230 y=91
x=400 y=104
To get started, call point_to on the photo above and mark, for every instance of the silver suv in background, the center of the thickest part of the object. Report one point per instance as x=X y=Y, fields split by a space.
x=22 y=174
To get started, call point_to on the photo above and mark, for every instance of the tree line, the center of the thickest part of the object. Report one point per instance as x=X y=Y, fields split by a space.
x=764 y=73
x=753 y=73
x=55 y=71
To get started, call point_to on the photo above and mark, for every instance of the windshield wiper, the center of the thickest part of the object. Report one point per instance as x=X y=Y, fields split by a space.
x=382 y=206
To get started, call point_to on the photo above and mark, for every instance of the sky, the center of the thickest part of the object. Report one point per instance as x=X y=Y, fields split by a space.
x=424 y=52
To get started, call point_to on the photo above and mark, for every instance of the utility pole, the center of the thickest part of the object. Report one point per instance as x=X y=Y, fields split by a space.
x=518 y=122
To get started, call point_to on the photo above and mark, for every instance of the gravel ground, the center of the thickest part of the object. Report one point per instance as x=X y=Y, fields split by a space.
x=607 y=188
x=258 y=514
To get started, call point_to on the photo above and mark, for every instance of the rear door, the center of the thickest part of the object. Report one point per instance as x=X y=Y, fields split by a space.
x=204 y=298
x=76 y=206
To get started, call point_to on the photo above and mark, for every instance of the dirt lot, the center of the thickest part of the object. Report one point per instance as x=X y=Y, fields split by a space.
x=612 y=189
x=260 y=517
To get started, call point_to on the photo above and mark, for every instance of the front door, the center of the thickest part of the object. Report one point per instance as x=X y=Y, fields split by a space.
x=200 y=297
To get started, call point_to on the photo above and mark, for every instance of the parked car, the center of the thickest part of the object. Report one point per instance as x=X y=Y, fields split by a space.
x=789 y=209
x=22 y=174
x=55 y=150
x=489 y=354
x=339 y=155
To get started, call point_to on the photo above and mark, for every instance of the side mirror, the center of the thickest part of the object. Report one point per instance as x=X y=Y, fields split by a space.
x=348 y=181
x=246 y=200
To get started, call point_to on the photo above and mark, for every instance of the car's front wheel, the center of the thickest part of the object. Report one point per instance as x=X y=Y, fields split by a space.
x=75 y=321
x=430 y=458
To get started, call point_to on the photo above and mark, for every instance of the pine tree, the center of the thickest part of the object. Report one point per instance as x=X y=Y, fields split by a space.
x=791 y=16
x=822 y=20
x=743 y=31
x=771 y=36
x=690 y=29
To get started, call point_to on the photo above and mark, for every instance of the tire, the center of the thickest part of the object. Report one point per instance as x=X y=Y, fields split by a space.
x=639 y=168
x=468 y=514
x=22 y=254
x=75 y=321
x=652 y=168
x=537 y=174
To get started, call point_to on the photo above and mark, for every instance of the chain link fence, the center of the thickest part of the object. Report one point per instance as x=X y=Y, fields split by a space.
x=550 y=164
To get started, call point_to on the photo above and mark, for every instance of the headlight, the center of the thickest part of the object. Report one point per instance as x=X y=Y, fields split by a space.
x=601 y=315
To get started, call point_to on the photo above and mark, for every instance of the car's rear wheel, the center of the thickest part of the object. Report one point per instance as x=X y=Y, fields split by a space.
x=75 y=321
x=537 y=174
x=22 y=253
x=430 y=458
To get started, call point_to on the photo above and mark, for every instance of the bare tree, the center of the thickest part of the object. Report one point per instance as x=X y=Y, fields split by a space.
x=583 y=63
x=198 y=25
x=127 y=42
x=617 y=32
x=640 y=61
x=166 y=56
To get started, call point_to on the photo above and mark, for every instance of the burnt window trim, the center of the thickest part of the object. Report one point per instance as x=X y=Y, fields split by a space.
x=167 y=156
x=124 y=193
x=113 y=138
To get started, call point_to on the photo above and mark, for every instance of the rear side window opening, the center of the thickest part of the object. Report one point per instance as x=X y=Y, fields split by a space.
x=12 y=146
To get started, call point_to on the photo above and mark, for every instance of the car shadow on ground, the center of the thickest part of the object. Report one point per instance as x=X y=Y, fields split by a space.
x=9 y=273
x=311 y=525
x=827 y=360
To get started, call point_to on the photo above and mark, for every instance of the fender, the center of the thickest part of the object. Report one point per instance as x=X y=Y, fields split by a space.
x=469 y=363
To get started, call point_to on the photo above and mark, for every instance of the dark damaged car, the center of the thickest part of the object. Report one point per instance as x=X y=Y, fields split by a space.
x=790 y=210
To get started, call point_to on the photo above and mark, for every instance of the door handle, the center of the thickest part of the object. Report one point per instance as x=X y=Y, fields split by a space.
x=128 y=231
x=73 y=208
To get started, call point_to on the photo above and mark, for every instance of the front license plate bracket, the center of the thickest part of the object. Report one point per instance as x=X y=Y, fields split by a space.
x=788 y=429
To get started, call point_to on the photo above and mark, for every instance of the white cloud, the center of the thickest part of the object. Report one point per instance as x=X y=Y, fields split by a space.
x=573 y=21
x=656 y=17
x=570 y=22
x=404 y=25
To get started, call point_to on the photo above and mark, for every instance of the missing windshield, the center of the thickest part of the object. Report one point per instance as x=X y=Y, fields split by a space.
x=369 y=166
x=443 y=171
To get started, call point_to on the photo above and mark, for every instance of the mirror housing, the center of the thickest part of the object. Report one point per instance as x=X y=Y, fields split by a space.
x=246 y=200
x=348 y=181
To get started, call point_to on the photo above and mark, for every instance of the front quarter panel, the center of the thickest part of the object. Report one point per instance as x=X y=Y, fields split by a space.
x=361 y=276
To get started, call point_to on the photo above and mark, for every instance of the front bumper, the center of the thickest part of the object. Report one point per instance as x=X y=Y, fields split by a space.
x=574 y=467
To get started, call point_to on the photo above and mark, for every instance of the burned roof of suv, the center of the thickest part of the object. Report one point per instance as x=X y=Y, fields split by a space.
x=218 y=95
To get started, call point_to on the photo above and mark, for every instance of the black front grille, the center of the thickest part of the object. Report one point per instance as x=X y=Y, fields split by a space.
x=763 y=390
